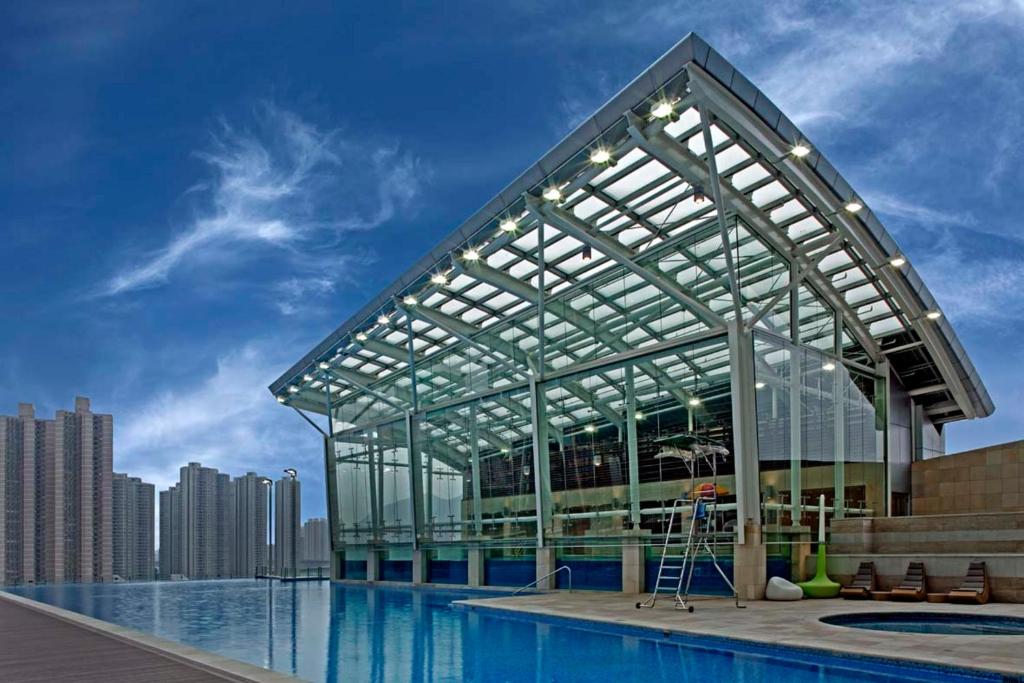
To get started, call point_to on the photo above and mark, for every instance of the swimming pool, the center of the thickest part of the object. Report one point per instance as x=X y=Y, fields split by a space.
x=959 y=624
x=351 y=632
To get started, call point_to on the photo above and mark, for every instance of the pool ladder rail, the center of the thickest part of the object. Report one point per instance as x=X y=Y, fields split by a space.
x=701 y=528
x=564 y=568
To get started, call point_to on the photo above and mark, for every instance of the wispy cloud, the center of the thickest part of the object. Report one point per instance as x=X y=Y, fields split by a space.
x=902 y=208
x=226 y=420
x=283 y=184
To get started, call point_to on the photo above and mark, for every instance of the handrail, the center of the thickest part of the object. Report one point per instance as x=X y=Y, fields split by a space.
x=534 y=583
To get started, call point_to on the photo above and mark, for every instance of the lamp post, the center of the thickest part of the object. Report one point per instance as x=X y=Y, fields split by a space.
x=293 y=474
x=270 y=511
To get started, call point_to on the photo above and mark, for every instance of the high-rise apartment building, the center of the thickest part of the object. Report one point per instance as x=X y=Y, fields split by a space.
x=133 y=528
x=56 y=517
x=212 y=526
x=316 y=542
x=287 y=513
x=252 y=513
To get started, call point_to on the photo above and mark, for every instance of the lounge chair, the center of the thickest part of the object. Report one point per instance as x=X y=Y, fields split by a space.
x=913 y=588
x=974 y=589
x=862 y=585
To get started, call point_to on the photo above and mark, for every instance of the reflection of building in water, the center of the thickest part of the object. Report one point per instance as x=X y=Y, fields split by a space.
x=498 y=410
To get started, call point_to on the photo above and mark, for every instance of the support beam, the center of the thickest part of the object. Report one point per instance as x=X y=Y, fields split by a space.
x=625 y=257
x=541 y=459
x=632 y=450
x=716 y=193
x=474 y=449
x=794 y=282
x=669 y=152
x=744 y=425
x=362 y=382
x=923 y=391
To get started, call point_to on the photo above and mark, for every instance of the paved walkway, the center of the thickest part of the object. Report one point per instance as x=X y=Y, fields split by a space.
x=791 y=624
x=41 y=643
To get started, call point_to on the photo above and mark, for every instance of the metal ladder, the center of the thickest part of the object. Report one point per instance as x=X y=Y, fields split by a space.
x=696 y=539
x=663 y=583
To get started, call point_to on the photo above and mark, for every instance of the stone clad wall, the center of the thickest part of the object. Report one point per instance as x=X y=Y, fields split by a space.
x=988 y=479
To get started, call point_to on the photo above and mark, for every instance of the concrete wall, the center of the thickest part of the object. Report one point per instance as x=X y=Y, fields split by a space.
x=988 y=479
x=946 y=544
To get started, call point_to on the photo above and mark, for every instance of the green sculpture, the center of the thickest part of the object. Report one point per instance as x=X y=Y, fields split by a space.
x=820 y=586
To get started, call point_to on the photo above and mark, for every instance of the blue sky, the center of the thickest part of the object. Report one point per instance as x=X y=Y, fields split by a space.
x=195 y=194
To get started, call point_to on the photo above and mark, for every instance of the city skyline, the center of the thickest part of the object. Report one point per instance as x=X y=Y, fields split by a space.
x=199 y=241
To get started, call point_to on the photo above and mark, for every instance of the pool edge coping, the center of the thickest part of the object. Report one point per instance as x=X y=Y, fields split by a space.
x=660 y=632
x=218 y=665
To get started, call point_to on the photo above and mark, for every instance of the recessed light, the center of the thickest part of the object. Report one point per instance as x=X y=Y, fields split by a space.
x=639 y=415
x=293 y=389
x=897 y=261
x=694 y=401
x=360 y=336
x=828 y=366
x=307 y=378
x=552 y=194
x=662 y=110
x=933 y=315
x=590 y=429
x=383 y=320
x=471 y=255
x=324 y=365
x=800 y=151
x=853 y=206
x=439 y=279
x=281 y=399
x=409 y=300
x=600 y=156
x=508 y=225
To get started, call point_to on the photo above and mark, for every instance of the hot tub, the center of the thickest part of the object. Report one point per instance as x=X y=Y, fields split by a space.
x=949 y=623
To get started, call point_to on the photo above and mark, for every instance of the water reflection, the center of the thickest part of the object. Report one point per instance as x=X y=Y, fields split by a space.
x=321 y=632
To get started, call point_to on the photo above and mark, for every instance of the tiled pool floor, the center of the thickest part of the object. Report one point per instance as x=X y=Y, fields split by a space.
x=792 y=624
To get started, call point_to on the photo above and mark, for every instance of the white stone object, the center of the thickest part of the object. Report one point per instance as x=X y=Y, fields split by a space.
x=780 y=589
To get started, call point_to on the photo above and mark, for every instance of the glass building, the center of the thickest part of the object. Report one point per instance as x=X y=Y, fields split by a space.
x=685 y=262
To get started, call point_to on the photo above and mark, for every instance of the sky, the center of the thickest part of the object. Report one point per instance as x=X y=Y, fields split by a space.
x=194 y=194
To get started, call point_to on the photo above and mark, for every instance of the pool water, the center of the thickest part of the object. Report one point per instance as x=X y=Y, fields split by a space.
x=349 y=632
x=959 y=624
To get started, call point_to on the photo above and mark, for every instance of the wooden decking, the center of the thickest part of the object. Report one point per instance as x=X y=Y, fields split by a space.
x=40 y=643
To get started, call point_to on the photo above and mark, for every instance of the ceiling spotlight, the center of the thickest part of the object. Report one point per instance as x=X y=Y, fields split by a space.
x=324 y=365
x=382 y=319
x=439 y=279
x=800 y=151
x=600 y=156
x=662 y=110
x=590 y=429
x=639 y=415
x=552 y=194
x=587 y=253
x=527 y=469
x=698 y=194
x=597 y=460
x=759 y=385
x=694 y=401
x=828 y=366
x=409 y=300
x=508 y=225
x=293 y=389
x=471 y=255
x=307 y=378
x=853 y=206
x=897 y=261
x=281 y=399
x=933 y=315
x=360 y=336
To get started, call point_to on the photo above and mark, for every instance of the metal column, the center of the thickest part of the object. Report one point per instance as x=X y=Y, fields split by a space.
x=744 y=427
x=632 y=450
x=474 y=449
x=415 y=480
x=371 y=466
x=541 y=460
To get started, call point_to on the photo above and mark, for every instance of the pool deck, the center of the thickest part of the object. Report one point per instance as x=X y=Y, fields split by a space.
x=793 y=624
x=39 y=642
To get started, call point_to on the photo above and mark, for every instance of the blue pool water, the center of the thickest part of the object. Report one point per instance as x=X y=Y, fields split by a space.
x=928 y=622
x=345 y=632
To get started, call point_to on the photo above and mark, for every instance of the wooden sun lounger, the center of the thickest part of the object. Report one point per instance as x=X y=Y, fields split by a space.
x=914 y=587
x=862 y=585
x=974 y=589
